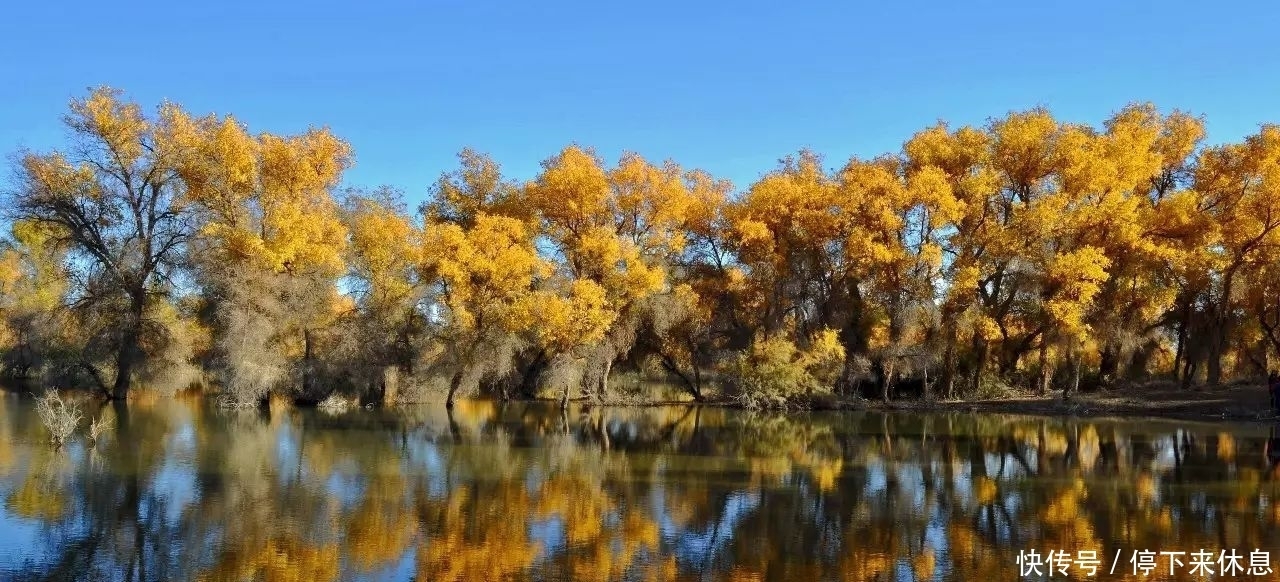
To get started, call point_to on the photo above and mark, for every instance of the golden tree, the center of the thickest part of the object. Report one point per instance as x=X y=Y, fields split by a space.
x=271 y=239
x=617 y=229
x=1241 y=184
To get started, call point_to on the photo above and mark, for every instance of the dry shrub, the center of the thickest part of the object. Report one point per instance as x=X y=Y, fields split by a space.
x=100 y=426
x=656 y=318
x=60 y=417
x=477 y=364
x=246 y=356
x=423 y=388
x=600 y=357
x=335 y=404
x=492 y=360
x=563 y=373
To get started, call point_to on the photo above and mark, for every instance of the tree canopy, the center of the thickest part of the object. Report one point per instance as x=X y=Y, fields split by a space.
x=1028 y=252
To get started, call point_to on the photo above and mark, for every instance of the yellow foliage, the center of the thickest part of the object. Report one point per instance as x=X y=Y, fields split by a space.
x=385 y=247
x=823 y=357
x=968 y=246
x=571 y=193
x=1076 y=277
x=1022 y=148
x=476 y=188
x=268 y=197
x=10 y=272
x=618 y=230
x=581 y=318
x=487 y=273
x=120 y=124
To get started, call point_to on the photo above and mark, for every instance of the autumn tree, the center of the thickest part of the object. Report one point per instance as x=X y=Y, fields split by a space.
x=114 y=198
x=385 y=329
x=702 y=316
x=270 y=244
x=500 y=298
x=961 y=158
x=854 y=251
x=1149 y=230
x=476 y=187
x=1241 y=183
x=1029 y=251
x=485 y=278
x=619 y=229
x=893 y=248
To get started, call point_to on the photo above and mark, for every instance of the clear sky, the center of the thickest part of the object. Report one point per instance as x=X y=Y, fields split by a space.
x=729 y=87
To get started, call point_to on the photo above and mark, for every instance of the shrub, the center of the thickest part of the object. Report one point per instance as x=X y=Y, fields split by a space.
x=100 y=426
x=335 y=404
x=775 y=373
x=60 y=416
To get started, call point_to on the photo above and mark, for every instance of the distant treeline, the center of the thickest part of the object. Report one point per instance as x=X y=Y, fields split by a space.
x=169 y=249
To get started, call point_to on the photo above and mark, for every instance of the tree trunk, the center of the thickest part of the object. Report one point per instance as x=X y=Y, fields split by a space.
x=127 y=354
x=1264 y=351
x=308 y=374
x=529 y=380
x=949 y=366
x=390 y=385
x=691 y=385
x=1007 y=359
x=852 y=334
x=1139 y=360
x=1044 y=365
x=454 y=383
x=925 y=391
x=1181 y=352
x=1108 y=364
x=697 y=382
x=1213 y=371
x=1075 y=379
x=979 y=361
x=604 y=380
x=97 y=379
x=1218 y=331
x=888 y=381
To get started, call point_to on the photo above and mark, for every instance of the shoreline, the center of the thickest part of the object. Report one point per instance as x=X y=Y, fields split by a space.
x=1238 y=403
x=1087 y=406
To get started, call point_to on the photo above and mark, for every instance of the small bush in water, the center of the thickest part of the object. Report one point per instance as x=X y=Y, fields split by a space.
x=60 y=416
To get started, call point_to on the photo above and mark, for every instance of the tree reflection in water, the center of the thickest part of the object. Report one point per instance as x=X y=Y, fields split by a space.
x=181 y=491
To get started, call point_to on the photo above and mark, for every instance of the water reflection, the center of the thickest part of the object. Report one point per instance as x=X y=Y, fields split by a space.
x=180 y=491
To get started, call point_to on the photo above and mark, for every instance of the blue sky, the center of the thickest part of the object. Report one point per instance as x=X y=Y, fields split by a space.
x=728 y=87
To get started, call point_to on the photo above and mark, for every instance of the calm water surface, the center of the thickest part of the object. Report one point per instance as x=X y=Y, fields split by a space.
x=181 y=491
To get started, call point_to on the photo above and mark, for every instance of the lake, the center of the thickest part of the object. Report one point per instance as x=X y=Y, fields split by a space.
x=184 y=491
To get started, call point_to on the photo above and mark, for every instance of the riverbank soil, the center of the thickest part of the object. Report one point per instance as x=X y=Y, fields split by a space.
x=1241 y=401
